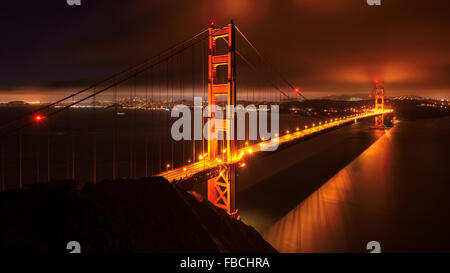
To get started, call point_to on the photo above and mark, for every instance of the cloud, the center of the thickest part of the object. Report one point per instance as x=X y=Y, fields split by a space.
x=327 y=45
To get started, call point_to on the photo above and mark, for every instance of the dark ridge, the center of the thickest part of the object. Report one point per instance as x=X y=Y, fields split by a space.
x=145 y=215
x=414 y=109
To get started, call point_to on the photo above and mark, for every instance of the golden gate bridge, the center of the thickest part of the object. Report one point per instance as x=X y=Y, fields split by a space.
x=119 y=127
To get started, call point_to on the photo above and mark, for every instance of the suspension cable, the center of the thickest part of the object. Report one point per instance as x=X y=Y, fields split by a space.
x=121 y=73
x=268 y=63
x=257 y=70
x=111 y=85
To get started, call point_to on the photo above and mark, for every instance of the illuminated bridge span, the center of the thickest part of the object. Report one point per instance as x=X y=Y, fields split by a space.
x=120 y=127
x=202 y=165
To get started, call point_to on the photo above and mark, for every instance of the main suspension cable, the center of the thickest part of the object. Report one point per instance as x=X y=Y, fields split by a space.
x=268 y=63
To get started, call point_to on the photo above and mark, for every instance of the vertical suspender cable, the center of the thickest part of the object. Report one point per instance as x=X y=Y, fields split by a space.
x=134 y=126
x=160 y=117
x=114 y=165
x=94 y=141
x=37 y=154
x=3 y=166
x=193 y=95
x=73 y=147
x=48 y=151
x=146 y=132
x=130 y=141
x=20 y=160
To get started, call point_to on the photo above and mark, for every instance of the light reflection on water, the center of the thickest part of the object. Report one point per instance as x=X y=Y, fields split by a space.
x=330 y=219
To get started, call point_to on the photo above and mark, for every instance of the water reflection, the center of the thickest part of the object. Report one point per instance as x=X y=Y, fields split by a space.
x=333 y=217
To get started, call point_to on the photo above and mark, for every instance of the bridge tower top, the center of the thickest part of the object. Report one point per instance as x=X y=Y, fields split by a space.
x=221 y=83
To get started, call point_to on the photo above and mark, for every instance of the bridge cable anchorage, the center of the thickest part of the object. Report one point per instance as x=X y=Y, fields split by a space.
x=268 y=63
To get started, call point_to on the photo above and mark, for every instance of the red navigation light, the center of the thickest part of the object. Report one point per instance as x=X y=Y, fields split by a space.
x=211 y=23
x=315 y=113
x=38 y=118
x=296 y=90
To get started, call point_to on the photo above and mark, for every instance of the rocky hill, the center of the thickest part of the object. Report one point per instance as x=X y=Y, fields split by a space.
x=145 y=215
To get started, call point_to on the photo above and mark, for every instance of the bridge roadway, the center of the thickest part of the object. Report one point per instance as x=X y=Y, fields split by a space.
x=206 y=164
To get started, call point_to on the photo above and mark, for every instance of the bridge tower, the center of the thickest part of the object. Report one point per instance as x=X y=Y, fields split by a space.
x=379 y=103
x=221 y=189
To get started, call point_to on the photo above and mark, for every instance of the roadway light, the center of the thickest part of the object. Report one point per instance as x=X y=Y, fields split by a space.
x=200 y=157
x=287 y=131
x=184 y=169
x=168 y=166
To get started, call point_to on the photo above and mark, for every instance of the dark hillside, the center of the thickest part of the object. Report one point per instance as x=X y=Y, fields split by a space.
x=146 y=215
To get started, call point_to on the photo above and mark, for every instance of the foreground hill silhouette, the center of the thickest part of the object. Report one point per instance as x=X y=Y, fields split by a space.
x=145 y=215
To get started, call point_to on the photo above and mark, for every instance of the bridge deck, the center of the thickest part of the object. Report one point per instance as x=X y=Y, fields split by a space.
x=206 y=164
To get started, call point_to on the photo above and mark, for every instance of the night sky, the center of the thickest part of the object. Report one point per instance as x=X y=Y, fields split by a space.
x=327 y=47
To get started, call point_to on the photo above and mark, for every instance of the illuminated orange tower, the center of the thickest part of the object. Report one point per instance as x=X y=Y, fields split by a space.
x=379 y=103
x=221 y=189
